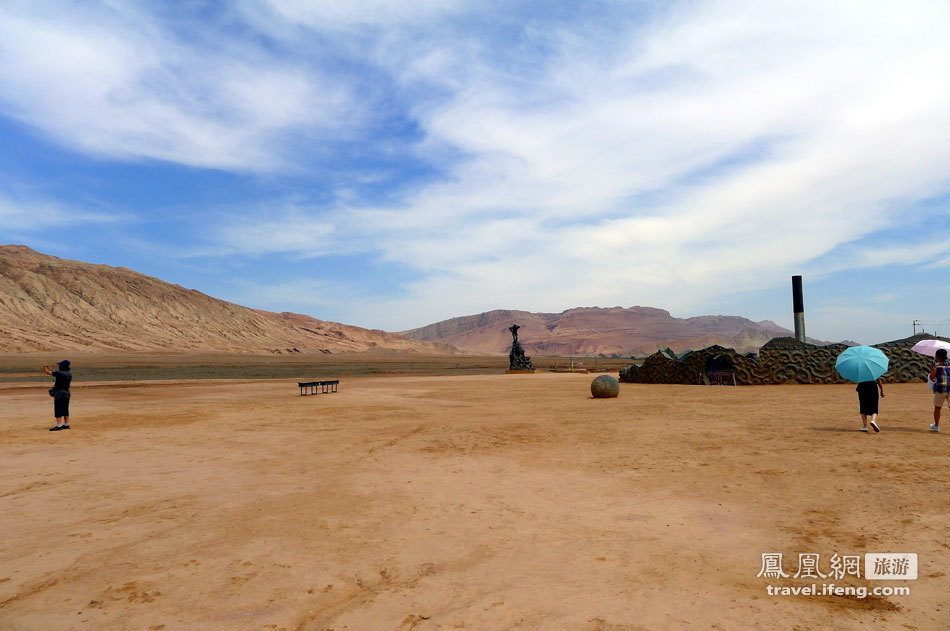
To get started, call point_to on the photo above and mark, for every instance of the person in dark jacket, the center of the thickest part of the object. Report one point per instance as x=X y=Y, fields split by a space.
x=60 y=394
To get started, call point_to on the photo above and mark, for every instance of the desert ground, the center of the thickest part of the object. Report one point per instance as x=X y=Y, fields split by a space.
x=460 y=502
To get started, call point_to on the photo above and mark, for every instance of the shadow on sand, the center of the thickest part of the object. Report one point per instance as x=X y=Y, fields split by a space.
x=884 y=428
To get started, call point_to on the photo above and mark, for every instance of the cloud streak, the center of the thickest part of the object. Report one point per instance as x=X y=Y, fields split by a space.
x=113 y=81
x=19 y=216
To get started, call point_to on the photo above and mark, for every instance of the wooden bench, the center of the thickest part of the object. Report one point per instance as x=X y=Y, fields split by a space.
x=316 y=387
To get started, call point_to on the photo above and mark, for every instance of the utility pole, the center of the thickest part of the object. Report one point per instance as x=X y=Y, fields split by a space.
x=916 y=324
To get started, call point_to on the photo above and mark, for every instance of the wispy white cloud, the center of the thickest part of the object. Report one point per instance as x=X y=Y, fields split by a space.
x=324 y=15
x=941 y=262
x=925 y=252
x=285 y=230
x=20 y=215
x=295 y=294
x=865 y=321
x=113 y=82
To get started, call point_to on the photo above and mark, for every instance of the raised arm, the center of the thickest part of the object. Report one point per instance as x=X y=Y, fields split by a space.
x=47 y=370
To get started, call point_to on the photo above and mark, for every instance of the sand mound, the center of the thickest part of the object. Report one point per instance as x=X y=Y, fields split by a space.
x=48 y=303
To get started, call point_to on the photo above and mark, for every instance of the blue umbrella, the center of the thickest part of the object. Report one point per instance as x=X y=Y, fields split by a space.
x=861 y=363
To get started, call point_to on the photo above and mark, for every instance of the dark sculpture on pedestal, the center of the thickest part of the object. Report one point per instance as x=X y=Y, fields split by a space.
x=516 y=358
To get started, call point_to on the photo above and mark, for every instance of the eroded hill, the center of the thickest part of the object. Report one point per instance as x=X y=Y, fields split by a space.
x=612 y=331
x=48 y=303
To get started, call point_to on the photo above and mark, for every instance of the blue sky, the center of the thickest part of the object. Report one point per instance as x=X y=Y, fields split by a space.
x=391 y=163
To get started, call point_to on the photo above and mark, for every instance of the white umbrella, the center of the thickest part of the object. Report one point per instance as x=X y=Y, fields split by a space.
x=929 y=347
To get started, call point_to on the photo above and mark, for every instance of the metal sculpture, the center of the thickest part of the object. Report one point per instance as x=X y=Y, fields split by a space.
x=517 y=360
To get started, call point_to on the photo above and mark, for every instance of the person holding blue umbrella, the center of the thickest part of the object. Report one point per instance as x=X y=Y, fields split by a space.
x=865 y=365
x=868 y=402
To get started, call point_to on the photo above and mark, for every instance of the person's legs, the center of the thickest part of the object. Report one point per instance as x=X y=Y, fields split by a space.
x=874 y=425
x=939 y=399
x=864 y=420
x=61 y=412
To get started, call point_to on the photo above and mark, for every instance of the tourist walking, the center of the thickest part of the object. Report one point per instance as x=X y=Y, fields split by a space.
x=940 y=376
x=60 y=394
x=868 y=401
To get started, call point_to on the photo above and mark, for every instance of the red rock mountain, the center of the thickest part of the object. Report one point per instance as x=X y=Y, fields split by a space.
x=595 y=331
x=47 y=304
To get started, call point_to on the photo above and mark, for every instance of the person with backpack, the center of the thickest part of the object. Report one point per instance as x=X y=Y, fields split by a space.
x=940 y=376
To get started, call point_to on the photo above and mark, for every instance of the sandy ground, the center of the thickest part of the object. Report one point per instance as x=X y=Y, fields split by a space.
x=469 y=502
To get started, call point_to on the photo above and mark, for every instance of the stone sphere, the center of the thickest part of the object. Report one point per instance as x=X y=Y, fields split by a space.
x=604 y=387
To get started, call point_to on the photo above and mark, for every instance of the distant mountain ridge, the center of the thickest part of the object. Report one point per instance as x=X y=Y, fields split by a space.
x=48 y=303
x=613 y=331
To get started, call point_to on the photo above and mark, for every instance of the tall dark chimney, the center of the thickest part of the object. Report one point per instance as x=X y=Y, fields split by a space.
x=799 y=308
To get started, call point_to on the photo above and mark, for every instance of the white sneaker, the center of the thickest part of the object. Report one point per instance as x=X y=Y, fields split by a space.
x=934 y=428
x=875 y=427
x=864 y=429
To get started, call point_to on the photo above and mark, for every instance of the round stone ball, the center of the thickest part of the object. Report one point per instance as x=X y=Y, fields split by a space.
x=604 y=387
